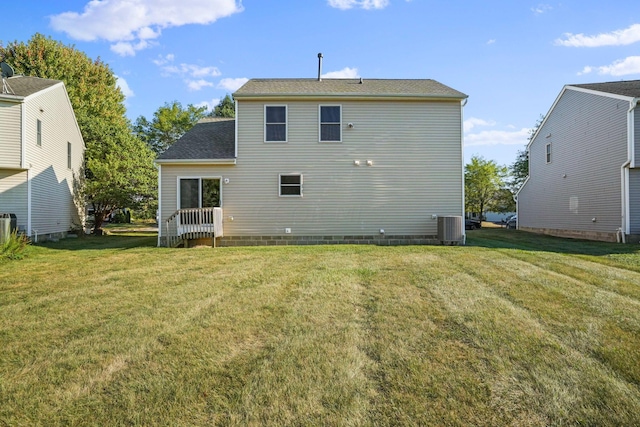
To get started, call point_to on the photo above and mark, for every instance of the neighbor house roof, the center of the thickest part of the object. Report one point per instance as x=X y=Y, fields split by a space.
x=630 y=88
x=210 y=139
x=407 y=88
x=27 y=85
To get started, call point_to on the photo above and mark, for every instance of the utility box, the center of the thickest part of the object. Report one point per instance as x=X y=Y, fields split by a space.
x=450 y=230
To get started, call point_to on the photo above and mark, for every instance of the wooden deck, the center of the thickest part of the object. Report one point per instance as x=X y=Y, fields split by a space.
x=192 y=224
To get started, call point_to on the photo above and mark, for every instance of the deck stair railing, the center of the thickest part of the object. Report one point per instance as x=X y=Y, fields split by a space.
x=194 y=223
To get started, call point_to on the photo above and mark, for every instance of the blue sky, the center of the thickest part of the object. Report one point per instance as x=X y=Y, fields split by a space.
x=511 y=57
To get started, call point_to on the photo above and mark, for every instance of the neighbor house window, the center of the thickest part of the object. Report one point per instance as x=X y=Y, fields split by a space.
x=330 y=123
x=548 y=153
x=199 y=193
x=39 y=132
x=275 y=123
x=68 y=155
x=291 y=185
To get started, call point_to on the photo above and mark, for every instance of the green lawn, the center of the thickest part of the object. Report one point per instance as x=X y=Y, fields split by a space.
x=513 y=329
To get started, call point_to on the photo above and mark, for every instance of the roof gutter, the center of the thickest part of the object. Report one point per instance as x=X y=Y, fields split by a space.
x=350 y=96
x=196 y=161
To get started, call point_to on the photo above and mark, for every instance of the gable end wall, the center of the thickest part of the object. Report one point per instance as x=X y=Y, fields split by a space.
x=588 y=136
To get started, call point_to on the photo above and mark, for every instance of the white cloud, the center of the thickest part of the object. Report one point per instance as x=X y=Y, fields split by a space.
x=163 y=60
x=364 y=4
x=492 y=41
x=621 y=67
x=615 y=38
x=232 y=84
x=183 y=69
x=497 y=137
x=130 y=24
x=492 y=137
x=345 y=73
x=472 y=122
x=541 y=8
x=195 y=85
x=124 y=87
x=209 y=104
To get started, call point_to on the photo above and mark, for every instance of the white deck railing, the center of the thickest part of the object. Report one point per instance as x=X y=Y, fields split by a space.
x=194 y=223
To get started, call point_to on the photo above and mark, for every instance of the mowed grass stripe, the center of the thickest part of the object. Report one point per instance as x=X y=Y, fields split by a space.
x=346 y=335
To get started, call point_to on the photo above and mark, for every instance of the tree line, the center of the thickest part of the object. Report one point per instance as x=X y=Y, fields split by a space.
x=118 y=170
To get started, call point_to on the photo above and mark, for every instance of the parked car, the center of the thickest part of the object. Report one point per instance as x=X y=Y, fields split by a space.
x=512 y=222
x=472 y=223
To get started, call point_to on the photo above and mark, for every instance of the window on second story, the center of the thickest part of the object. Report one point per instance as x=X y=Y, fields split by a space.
x=290 y=185
x=548 y=153
x=68 y=155
x=330 y=123
x=275 y=123
x=39 y=132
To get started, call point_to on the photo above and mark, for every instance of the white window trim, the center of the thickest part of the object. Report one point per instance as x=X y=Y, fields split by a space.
x=199 y=178
x=320 y=140
x=286 y=124
x=280 y=184
x=39 y=132
x=547 y=153
x=69 y=156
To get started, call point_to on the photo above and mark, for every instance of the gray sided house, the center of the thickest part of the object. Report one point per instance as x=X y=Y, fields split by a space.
x=584 y=165
x=320 y=161
x=41 y=152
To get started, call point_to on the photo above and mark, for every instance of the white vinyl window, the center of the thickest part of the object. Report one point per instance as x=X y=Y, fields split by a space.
x=330 y=123
x=548 y=153
x=275 y=123
x=39 y=132
x=68 y=155
x=290 y=185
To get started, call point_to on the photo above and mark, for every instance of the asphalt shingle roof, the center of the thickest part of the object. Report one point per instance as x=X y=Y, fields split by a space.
x=27 y=85
x=423 y=88
x=209 y=139
x=629 y=88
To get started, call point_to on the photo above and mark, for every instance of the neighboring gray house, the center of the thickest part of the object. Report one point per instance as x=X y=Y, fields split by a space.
x=584 y=165
x=321 y=161
x=41 y=150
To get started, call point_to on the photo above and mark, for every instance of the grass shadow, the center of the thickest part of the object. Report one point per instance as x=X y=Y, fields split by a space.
x=115 y=240
x=502 y=238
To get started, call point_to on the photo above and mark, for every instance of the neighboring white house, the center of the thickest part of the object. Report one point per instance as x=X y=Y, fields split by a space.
x=310 y=161
x=584 y=165
x=41 y=151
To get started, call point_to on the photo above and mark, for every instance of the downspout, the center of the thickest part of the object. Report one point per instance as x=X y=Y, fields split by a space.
x=624 y=170
x=462 y=105
x=25 y=165
x=159 y=213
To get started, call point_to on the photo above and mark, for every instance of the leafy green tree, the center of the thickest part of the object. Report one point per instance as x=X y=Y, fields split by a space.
x=225 y=108
x=118 y=168
x=169 y=123
x=483 y=182
x=519 y=170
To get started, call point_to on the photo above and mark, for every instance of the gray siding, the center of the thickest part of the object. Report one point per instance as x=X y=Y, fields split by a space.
x=13 y=195
x=416 y=152
x=583 y=181
x=634 y=201
x=52 y=206
x=10 y=129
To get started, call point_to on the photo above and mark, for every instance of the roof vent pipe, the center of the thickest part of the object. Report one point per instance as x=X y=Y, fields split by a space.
x=320 y=67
